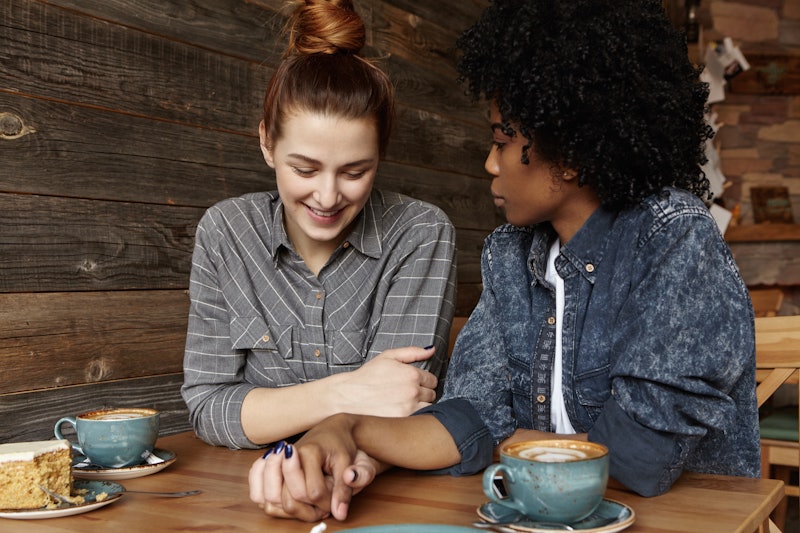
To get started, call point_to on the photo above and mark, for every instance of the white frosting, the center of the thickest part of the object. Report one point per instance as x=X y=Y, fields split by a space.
x=26 y=451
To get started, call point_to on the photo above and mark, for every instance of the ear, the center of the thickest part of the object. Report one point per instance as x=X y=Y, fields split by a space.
x=569 y=174
x=266 y=145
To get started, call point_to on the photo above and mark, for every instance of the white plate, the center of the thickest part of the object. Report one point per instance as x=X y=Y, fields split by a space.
x=620 y=515
x=83 y=470
x=93 y=488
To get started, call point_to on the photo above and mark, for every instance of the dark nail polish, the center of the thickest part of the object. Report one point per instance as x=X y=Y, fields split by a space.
x=428 y=347
x=288 y=451
x=280 y=446
x=267 y=454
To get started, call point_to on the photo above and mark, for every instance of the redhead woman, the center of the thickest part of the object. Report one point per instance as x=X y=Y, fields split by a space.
x=328 y=295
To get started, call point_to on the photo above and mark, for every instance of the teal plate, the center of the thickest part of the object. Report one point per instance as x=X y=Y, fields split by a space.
x=108 y=491
x=611 y=516
x=413 y=528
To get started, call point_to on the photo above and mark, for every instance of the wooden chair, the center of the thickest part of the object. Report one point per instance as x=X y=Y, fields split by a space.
x=766 y=302
x=778 y=363
x=455 y=327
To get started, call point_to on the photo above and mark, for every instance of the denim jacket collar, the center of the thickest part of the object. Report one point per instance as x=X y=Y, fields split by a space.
x=581 y=255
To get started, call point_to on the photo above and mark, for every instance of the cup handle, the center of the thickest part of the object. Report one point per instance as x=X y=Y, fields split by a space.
x=57 y=430
x=489 y=488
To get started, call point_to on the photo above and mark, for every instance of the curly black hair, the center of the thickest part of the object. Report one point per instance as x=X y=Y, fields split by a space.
x=602 y=87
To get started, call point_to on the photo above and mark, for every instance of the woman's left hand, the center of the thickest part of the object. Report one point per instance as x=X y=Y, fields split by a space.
x=280 y=485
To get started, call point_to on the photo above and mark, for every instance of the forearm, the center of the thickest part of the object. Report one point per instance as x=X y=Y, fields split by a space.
x=272 y=414
x=417 y=442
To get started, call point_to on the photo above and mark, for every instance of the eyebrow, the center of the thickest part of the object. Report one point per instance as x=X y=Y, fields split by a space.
x=505 y=129
x=313 y=161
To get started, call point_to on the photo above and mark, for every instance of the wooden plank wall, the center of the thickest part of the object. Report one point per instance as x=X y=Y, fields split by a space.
x=120 y=122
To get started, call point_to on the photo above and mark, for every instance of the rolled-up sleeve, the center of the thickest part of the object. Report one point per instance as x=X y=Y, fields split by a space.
x=213 y=387
x=468 y=431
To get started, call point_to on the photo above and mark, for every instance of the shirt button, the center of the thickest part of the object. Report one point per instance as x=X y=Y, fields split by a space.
x=541 y=398
x=345 y=244
x=265 y=338
x=551 y=320
x=590 y=268
x=319 y=296
x=317 y=353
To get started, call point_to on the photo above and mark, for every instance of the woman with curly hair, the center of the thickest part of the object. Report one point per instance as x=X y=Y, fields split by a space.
x=318 y=298
x=611 y=309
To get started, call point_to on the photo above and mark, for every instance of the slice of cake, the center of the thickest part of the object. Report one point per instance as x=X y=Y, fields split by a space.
x=24 y=466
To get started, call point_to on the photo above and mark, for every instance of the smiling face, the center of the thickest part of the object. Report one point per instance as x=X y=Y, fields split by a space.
x=325 y=167
x=535 y=192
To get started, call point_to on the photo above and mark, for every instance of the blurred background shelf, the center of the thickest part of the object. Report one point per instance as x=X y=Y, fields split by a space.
x=763 y=232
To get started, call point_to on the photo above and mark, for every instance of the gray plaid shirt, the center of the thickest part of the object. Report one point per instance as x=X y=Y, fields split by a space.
x=260 y=318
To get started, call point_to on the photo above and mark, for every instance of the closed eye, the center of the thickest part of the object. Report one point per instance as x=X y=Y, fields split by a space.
x=303 y=172
x=355 y=174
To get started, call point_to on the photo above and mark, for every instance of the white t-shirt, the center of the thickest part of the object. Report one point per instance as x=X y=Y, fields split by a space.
x=558 y=411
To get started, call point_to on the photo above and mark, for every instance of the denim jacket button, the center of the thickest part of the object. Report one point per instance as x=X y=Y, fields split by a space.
x=590 y=268
x=551 y=320
x=541 y=398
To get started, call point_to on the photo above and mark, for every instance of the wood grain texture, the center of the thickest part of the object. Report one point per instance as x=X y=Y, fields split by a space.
x=58 y=244
x=84 y=152
x=58 y=54
x=52 y=340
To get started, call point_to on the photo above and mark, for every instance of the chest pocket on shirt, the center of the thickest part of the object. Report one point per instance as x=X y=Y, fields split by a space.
x=348 y=348
x=252 y=333
x=593 y=388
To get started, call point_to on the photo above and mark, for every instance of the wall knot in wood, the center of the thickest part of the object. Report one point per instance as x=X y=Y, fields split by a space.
x=12 y=127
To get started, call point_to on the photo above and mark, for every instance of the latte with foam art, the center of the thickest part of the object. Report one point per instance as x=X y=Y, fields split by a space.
x=555 y=451
x=546 y=454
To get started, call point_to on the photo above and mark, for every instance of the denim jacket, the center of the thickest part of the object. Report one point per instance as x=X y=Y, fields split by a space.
x=658 y=345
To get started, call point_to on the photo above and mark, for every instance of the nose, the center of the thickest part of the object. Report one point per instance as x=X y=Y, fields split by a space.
x=490 y=164
x=327 y=193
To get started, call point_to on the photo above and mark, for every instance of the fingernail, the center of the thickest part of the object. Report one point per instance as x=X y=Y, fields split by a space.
x=266 y=454
x=279 y=447
x=355 y=475
x=288 y=451
x=428 y=347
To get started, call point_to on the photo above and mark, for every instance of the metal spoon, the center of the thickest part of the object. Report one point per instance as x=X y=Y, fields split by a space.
x=64 y=499
x=165 y=494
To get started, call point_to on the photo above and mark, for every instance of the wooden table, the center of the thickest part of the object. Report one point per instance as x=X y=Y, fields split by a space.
x=697 y=503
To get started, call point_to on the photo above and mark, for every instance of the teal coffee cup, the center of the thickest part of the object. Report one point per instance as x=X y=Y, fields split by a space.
x=550 y=480
x=114 y=438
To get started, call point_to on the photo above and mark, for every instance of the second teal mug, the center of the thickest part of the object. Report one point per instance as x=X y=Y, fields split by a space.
x=558 y=480
x=114 y=438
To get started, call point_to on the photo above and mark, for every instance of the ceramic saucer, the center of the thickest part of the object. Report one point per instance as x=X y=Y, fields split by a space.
x=620 y=515
x=156 y=462
x=112 y=491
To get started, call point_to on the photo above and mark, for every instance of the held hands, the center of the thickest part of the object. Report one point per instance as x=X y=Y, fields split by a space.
x=388 y=385
x=318 y=476
x=314 y=479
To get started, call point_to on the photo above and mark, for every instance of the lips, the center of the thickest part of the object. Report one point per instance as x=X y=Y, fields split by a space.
x=324 y=216
x=321 y=213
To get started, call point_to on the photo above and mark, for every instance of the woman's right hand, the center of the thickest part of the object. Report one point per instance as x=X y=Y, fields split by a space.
x=388 y=385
